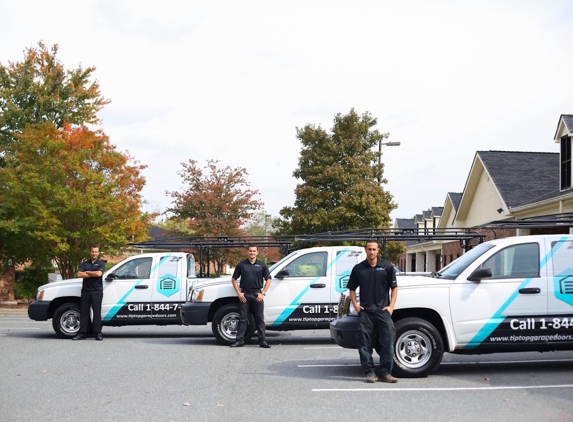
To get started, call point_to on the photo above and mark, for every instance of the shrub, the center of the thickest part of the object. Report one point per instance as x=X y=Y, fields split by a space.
x=28 y=280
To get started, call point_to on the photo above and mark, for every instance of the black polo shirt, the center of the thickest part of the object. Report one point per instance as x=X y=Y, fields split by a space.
x=251 y=275
x=374 y=282
x=93 y=283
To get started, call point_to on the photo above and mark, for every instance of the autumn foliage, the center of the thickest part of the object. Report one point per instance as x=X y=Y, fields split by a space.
x=63 y=185
x=64 y=189
x=215 y=202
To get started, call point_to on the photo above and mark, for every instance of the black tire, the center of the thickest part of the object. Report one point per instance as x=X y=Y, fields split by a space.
x=418 y=349
x=225 y=323
x=66 y=320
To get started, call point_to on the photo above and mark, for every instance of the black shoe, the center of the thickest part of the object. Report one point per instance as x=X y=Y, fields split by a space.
x=99 y=337
x=238 y=344
x=265 y=345
x=79 y=337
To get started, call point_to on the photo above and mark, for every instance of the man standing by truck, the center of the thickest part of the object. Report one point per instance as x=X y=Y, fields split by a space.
x=91 y=270
x=376 y=277
x=251 y=293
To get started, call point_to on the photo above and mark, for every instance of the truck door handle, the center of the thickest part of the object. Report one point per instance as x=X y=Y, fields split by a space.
x=141 y=286
x=318 y=285
x=530 y=290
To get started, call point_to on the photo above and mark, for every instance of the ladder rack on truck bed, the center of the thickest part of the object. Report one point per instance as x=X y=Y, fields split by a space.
x=464 y=235
x=203 y=244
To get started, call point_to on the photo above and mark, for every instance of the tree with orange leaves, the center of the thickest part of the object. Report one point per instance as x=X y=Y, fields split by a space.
x=39 y=89
x=216 y=202
x=64 y=189
x=63 y=186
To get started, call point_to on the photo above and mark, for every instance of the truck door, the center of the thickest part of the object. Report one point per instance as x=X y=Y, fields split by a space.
x=346 y=259
x=301 y=299
x=560 y=300
x=127 y=292
x=501 y=311
x=168 y=290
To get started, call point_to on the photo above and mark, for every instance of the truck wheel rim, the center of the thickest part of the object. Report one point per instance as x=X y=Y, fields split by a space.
x=413 y=349
x=70 y=321
x=229 y=325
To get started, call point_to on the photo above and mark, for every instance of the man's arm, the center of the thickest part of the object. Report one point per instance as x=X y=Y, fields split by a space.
x=261 y=296
x=354 y=301
x=393 y=297
x=240 y=294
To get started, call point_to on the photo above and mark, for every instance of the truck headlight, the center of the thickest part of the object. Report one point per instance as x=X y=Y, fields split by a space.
x=196 y=295
x=39 y=294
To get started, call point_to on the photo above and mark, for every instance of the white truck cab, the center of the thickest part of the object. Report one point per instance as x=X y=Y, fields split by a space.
x=304 y=292
x=145 y=289
x=505 y=295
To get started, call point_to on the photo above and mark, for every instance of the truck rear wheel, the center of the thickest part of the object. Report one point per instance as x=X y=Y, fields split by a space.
x=418 y=349
x=226 y=322
x=66 y=320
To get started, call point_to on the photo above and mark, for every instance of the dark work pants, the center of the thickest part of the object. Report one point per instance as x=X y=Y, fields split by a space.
x=258 y=310
x=376 y=327
x=91 y=298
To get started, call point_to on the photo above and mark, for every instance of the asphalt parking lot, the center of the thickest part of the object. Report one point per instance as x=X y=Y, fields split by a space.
x=181 y=373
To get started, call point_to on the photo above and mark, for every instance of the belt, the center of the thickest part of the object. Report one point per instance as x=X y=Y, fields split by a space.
x=251 y=290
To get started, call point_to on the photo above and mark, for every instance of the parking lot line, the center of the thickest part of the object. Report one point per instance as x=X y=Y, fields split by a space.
x=327 y=365
x=323 y=347
x=506 y=362
x=509 y=387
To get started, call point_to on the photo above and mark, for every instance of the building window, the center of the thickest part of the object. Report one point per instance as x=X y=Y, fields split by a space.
x=565 y=158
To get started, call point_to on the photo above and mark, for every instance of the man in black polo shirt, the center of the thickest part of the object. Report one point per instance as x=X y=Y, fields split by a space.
x=375 y=277
x=91 y=270
x=251 y=293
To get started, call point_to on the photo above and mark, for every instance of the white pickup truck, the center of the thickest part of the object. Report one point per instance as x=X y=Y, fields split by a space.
x=506 y=295
x=145 y=289
x=304 y=293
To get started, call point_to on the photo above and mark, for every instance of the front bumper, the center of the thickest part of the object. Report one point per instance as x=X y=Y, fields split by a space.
x=38 y=310
x=195 y=313
x=343 y=331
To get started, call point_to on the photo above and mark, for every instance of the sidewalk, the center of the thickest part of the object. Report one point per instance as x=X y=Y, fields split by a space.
x=13 y=308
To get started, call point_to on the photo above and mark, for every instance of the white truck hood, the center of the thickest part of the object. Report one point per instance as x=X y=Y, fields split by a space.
x=63 y=283
x=207 y=282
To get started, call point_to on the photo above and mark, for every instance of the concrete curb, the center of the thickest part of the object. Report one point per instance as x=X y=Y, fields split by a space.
x=13 y=311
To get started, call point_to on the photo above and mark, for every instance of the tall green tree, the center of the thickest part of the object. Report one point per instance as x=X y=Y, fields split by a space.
x=341 y=182
x=64 y=189
x=62 y=185
x=39 y=89
x=216 y=202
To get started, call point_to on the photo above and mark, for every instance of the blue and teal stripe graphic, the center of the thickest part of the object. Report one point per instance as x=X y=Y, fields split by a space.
x=115 y=309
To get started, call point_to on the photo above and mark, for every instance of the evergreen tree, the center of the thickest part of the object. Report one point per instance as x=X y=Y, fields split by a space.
x=341 y=182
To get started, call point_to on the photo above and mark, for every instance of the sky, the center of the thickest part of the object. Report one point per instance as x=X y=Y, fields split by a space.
x=232 y=81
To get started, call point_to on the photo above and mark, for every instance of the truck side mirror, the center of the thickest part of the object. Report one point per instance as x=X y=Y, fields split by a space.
x=282 y=274
x=110 y=277
x=479 y=274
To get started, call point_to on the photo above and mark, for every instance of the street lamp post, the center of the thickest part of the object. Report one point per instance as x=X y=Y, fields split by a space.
x=390 y=144
x=266 y=216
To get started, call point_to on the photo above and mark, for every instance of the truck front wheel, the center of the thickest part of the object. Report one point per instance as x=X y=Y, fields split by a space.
x=226 y=322
x=418 y=349
x=66 y=320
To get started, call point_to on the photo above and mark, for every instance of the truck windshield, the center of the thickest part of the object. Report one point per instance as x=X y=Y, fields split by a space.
x=276 y=264
x=455 y=268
